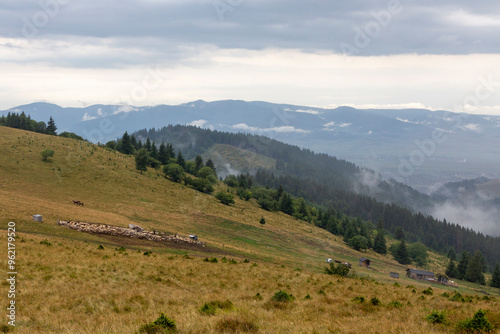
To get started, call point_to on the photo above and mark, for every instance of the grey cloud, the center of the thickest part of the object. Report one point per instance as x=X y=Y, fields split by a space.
x=160 y=29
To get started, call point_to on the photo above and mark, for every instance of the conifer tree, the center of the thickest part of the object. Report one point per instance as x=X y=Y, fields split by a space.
x=170 y=151
x=51 y=127
x=154 y=151
x=210 y=164
x=126 y=144
x=162 y=154
x=380 y=244
x=474 y=272
x=198 y=163
x=495 y=278
x=463 y=264
x=451 y=269
x=180 y=160
x=286 y=204
x=402 y=255
x=350 y=231
x=141 y=160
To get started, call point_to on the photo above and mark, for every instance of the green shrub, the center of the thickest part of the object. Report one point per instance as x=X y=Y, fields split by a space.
x=121 y=249
x=428 y=291
x=358 y=299
x=436 y=317
x=478 y=323
x=375 y=301
x=45 y=242
x=211 y=260
x=47 y=153
x=211 y=308
x=225 y=197
x=282 y=297
x=395 y=304
x=307 y=297
x=445 y=294
x=339 y=270
x=100 y=247
x=162 y=324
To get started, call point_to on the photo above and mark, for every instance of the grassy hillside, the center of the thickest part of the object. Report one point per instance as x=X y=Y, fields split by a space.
x=71 y=286
x=232 y=160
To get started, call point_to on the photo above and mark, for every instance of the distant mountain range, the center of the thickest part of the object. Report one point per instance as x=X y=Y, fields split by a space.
x=419 y=147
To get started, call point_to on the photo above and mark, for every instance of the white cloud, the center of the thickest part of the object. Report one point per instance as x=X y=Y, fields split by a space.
x=199 y=123
x=341 y=125
x=308 y=111
x=471 y=127
x=124 y=108
x=463 y=18
x=99 y=112
x=279 y=129
x=87 y=117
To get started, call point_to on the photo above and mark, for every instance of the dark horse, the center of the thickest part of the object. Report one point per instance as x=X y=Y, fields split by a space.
x=77 y=203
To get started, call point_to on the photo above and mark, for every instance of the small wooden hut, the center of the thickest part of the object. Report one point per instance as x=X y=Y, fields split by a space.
x=364 y=262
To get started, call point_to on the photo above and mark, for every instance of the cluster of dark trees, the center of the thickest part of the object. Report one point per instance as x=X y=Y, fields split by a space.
x=174 y=166
x=328 y=183
x=23 y=122
x=471 y=267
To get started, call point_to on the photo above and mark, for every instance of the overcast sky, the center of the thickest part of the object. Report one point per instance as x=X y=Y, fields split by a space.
x=396 y=53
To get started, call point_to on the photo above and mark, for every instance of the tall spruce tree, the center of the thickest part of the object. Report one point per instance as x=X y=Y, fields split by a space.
x=180 y=160
x=286 y=204
x=402 y=254
x=170 y=151
x=162 y=154
x=210 y=164
x=198 y=163
x=495 y=278
x=51 y=127
x=463 y=264
x=380 y=244
x=126 y=144
x=451 y=269
x=141 y=160
x=474 y=272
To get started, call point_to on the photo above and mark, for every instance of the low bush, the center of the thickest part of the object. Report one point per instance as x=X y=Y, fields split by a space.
x=283 y=297
x=436 y=317
x=162 y=324
x=339 y=270
x=211 y=308
x=358 y=299
x=478 y=323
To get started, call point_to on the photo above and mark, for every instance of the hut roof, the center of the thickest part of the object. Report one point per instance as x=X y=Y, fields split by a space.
x=363 y=259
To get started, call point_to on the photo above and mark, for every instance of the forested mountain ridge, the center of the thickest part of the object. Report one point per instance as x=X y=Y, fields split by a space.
x=382 y=140
x=292 y=161
x=337 y=186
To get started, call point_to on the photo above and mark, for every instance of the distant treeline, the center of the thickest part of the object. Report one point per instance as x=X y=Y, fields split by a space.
x=24 y=122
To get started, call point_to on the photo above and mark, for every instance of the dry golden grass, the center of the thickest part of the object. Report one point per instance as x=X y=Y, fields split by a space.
x=72 y=287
